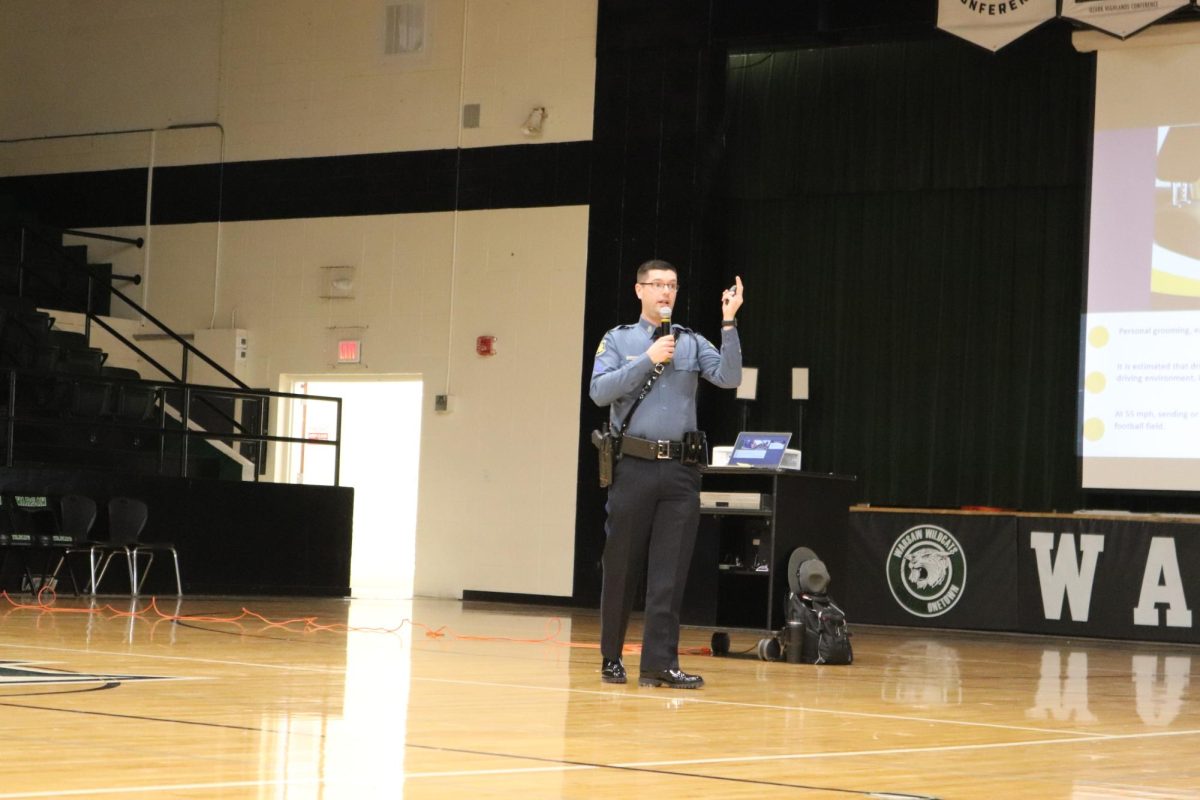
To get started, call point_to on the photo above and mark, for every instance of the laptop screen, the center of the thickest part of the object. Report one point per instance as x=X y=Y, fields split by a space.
x=756 y=449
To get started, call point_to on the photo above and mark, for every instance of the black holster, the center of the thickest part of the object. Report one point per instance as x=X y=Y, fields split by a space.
x=608 y=447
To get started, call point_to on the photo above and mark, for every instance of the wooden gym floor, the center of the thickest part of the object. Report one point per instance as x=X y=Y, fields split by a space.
x=309 y=698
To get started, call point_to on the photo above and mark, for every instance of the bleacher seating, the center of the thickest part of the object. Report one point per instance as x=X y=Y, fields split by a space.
x=130 y=400
x=70 y=406
x=25 y=335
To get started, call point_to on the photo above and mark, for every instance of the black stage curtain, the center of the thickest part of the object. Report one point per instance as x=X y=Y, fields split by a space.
x=910 y=219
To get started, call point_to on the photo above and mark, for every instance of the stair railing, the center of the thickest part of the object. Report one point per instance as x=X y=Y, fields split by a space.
x=242 y=391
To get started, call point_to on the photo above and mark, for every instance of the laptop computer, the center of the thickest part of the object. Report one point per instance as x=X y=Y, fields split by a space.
x=760 y=449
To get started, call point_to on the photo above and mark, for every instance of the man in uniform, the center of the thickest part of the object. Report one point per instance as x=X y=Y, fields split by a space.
x=654 y=500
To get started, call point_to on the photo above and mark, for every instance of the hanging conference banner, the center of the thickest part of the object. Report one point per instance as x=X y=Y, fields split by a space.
x=993 y=23
x=1119 y=17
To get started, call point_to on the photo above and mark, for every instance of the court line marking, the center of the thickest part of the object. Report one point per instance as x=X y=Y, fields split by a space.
x=119 y=790
x=144 y=718
x=558 y=765
x=159 y=656
x=554 y=767
x=677 y=774
x=1073 y=737
x=630 y=695
x=768 y=706
x=630 y=765
x=949 y=748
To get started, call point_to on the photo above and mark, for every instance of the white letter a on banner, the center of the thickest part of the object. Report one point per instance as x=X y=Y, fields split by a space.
x=1162 y=561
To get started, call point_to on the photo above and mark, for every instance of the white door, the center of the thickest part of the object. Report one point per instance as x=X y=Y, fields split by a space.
x=380 y=460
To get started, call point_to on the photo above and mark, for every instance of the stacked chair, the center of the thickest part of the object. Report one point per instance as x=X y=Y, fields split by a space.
x=127 y=519
x=35 y=537
x=41 y=536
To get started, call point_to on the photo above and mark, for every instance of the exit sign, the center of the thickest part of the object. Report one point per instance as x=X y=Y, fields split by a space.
x=349 y=351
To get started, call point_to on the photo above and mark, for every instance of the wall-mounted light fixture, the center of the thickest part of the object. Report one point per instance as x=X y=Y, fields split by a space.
x=337 y=283
x=533 y=123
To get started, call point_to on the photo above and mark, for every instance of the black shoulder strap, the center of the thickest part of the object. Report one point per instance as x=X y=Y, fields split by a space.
x=658 y=370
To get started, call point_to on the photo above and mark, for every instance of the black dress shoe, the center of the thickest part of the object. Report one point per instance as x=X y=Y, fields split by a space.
x=671 y=678
x=612 y=671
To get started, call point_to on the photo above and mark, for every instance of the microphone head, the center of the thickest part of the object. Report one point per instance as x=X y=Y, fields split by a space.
x=664 y=313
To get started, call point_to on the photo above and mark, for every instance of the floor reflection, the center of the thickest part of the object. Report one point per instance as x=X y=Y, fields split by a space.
x=1062 y=688
x=922 y=673
x=339 y=751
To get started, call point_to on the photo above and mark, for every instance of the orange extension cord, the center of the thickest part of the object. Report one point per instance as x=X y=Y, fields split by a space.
x=309 y=625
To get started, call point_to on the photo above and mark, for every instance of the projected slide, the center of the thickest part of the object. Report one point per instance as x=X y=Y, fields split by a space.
x=1141 y=370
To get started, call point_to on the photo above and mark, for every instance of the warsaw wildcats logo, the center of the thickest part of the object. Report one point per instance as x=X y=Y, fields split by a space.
x=926 y=570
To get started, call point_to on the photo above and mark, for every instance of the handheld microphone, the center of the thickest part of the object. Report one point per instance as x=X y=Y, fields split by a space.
x=664 y=327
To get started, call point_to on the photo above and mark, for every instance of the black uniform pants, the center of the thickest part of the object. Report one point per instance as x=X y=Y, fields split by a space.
x=653 y=513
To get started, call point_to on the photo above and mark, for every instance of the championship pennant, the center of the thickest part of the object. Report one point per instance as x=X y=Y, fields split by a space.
x=1119 y=17
x=993 y=23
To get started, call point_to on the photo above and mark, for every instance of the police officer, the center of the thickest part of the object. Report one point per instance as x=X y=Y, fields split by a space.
x=654 y=500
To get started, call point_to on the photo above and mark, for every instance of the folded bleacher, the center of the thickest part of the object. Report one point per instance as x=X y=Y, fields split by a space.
x=69 y=405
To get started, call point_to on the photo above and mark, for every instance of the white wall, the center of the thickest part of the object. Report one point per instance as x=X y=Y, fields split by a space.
x=308 y=77
x=504 y=517
x=296 y=78
x=75 y=67
x=284 y=78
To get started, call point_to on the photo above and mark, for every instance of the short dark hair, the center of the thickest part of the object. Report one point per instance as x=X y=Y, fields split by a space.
x=655 y=263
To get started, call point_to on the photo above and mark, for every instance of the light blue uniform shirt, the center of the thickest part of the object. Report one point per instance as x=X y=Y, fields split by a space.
x=622 y=369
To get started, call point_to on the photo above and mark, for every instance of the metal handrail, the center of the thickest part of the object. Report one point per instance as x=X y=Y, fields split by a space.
x=108 y=237
x=11 y=417
x=184 y=343
x=91 y=317
x=154 y=362
x=188 y=347
x=177 y=382
x=116 y=334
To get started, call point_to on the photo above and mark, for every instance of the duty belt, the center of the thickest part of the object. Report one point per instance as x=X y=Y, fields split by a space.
x=661 y=449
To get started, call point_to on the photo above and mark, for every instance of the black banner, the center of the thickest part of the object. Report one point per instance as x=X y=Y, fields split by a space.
x=938 y=570
x=1067 y=575
x=1120 y=579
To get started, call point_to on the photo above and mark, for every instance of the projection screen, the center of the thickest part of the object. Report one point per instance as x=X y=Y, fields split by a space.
x=1140 y=375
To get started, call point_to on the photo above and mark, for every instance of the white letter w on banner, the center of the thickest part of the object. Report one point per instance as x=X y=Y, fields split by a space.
x=1066 y=574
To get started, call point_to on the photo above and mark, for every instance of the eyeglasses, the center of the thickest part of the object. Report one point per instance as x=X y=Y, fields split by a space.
x=658 y=287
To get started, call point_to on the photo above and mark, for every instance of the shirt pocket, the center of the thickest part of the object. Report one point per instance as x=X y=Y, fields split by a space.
x=686 y=361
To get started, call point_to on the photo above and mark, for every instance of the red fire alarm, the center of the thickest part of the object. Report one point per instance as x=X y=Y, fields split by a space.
x=485 y=345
